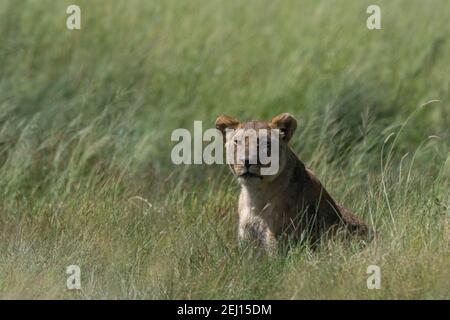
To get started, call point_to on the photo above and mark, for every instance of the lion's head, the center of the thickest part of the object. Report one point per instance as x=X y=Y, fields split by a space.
x=257 y=149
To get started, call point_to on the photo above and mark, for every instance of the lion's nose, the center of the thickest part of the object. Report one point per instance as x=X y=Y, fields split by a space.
x=247 y=163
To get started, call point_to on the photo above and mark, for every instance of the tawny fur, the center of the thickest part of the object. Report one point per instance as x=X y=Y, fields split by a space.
x=292 y=204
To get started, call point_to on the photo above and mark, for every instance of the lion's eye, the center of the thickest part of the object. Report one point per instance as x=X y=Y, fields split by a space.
x=236 y=142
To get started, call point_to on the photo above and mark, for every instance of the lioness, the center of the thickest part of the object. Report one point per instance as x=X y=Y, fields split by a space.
x=290 y=204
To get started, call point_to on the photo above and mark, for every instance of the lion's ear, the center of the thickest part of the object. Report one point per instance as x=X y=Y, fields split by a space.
x=286 y=123
x=226 y=122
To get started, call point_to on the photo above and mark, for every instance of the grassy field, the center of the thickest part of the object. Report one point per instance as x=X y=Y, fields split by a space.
x=86 y=116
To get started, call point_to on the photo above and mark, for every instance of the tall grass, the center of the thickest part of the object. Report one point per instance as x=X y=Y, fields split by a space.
x=85 y=124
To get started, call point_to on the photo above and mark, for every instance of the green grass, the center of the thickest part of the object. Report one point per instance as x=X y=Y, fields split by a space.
x=85 y=124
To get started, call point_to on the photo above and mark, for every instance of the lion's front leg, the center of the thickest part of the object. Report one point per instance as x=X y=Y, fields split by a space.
x=260 y=237
x=270 y=242
x=243 y=233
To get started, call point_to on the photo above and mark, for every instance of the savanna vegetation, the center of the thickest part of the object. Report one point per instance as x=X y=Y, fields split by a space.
x=86 y=117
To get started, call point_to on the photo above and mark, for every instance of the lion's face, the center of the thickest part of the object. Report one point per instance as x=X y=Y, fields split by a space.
x=256 y=150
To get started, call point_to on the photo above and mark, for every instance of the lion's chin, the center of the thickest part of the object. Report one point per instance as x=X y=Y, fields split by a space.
x=249 y=179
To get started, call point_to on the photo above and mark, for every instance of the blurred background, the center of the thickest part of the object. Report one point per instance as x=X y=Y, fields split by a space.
x=86 y=117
